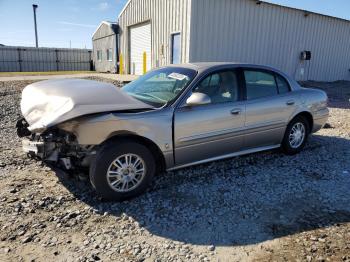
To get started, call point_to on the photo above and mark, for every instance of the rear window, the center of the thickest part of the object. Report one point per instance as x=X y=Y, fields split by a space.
x=283 y=86
x=260 y=84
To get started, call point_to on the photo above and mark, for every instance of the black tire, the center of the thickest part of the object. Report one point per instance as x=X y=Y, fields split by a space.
x=286 y=144
x=108 y=154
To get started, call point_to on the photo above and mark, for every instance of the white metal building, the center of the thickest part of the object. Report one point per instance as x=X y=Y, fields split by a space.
x=172 y=31
x=105 y=47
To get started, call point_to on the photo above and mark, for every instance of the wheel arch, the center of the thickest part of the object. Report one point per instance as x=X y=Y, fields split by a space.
x=152 y=146
x=308 y=116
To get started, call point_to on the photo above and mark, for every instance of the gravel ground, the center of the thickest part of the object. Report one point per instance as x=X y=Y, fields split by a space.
x=260 y=207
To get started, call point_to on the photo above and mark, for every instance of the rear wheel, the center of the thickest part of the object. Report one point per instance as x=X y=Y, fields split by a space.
x=122 y=170
x=296 y=135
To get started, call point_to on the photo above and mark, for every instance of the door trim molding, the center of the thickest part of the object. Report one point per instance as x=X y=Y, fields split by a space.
x=235 y=132
x=239 y=153
x=238 y=131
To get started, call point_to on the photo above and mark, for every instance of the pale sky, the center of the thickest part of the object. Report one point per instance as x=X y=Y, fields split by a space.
x=68 y=23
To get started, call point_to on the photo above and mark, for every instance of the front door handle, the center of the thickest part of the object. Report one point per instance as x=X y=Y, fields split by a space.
x=290 y=102
x=236 y=111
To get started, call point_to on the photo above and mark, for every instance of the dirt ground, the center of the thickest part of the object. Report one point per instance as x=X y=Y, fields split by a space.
x=261 y=207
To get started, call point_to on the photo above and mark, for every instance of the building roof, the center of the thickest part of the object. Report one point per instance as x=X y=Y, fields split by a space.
x=112 y=25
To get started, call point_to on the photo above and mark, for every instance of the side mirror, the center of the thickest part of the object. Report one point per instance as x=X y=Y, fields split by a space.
x=197 y=99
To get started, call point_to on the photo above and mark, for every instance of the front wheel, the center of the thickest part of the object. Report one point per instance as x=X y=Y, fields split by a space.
x=122 y=170
x=295 y=136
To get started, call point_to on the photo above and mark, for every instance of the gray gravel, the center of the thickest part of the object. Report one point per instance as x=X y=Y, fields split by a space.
x=264 y=206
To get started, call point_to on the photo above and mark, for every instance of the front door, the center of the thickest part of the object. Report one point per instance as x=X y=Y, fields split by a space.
x=212 y=130
x=269 y=107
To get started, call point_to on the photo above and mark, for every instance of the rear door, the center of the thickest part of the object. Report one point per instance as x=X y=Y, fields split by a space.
x=269 y=107
x=140 y=43
x=212 y=130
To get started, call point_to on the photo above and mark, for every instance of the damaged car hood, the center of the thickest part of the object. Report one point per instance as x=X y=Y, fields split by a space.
x=51 y=102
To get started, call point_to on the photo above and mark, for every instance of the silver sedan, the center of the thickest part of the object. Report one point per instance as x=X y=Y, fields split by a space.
x=172 y=117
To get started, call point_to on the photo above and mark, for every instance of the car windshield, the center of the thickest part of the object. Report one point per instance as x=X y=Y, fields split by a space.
x=160 y=86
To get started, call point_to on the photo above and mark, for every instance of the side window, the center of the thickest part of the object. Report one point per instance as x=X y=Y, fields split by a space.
x=99 y=55
x=259 y=84
x=283 y=86
x=109 y=55
x=215 y=80
x=221 y=87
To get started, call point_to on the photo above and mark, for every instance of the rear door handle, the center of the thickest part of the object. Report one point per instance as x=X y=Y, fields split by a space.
x=236 y=111
x=290 y=102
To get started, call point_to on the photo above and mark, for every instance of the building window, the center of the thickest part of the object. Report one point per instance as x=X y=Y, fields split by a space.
x=109 y=54
x=176 y=48
x=99 y=55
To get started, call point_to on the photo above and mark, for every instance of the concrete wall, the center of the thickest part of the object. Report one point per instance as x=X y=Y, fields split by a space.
x=103 y=39
x=241 y=30
x=166 y=17
x=31 y=59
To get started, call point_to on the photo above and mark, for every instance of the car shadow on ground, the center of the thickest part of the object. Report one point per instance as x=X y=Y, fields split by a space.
x=243 y=200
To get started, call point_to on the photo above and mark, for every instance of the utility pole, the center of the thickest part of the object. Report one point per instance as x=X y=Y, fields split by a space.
x=36 y=31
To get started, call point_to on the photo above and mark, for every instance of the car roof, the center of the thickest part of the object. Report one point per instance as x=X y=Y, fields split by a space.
x=202 y=66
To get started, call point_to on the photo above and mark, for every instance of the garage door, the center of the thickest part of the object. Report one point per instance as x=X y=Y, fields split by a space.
x=140 y=42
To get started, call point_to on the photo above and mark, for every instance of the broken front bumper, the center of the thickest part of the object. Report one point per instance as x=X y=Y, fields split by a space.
x=40 y=149
x=33 y=148
x=33 y=145
x=54 y=147
x=44 y=151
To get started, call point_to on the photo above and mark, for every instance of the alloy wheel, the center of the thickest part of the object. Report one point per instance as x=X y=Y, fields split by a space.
x=297 y=135
x=126 y=173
